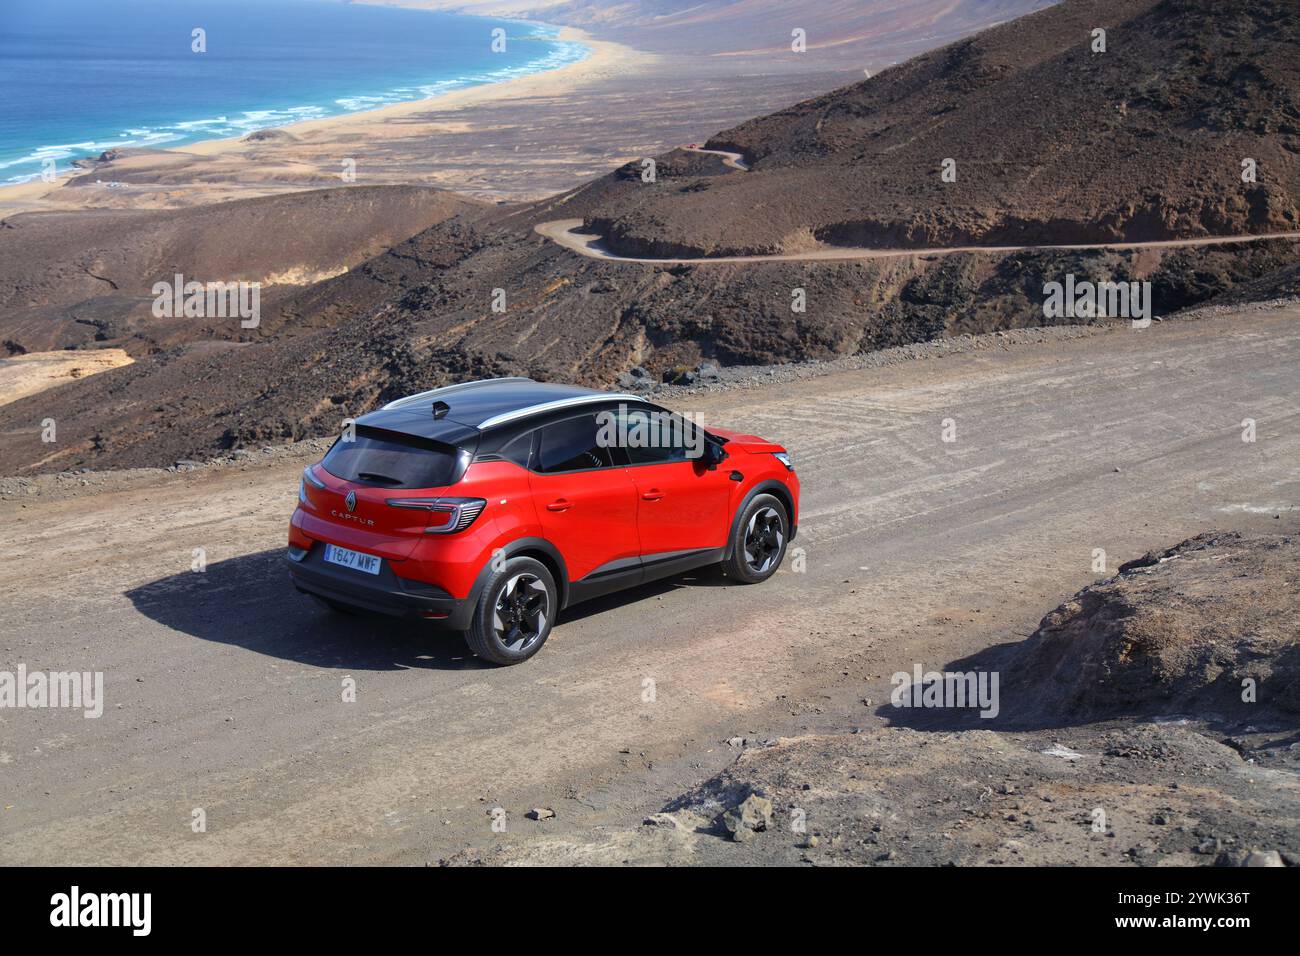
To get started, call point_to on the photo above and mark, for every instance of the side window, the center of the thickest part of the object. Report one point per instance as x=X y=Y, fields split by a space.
x=653 y=436
x=570 y=446
x=519 y=449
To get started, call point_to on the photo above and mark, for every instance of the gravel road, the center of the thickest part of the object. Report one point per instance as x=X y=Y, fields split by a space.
x=224 y=688
x=566 y=233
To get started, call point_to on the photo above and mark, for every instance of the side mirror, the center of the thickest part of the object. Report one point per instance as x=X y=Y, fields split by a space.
x=714 y=454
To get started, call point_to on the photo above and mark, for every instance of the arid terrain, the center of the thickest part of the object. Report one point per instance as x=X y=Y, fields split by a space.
x=1049 y=141
x=849 y=32
x=223 y=687
x=75 y=279
x=659 y=74
x=1104 y=514
x=480 y=292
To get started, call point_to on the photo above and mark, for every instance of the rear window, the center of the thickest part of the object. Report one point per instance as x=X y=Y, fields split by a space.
x=392 y=460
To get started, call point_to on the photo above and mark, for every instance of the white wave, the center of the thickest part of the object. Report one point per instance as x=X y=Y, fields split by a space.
x=561 y=53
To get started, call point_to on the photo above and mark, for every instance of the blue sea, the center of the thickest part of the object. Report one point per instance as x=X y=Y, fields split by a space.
x=81 y=76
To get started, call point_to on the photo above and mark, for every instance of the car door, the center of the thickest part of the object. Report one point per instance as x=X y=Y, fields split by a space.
x=587 y=505
x=682 y=504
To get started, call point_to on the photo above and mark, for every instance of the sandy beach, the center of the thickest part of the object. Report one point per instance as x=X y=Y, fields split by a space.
x=648 y=84
x=387 y=145
x=642 y=89
x=518 y=139
x=604 y=61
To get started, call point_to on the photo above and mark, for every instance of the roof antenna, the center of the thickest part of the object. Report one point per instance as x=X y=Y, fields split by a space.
x=440 y=409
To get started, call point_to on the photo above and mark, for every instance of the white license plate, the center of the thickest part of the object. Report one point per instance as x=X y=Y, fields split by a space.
x=352 y=559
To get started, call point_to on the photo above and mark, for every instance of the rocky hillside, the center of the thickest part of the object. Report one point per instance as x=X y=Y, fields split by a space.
x=1051 y=142
x=69 y=279
x=421 y=314
x=840 y=33
x=1174 y=633
x=1209 y=627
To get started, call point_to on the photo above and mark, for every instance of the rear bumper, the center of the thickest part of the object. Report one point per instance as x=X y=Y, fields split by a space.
x=383 y=593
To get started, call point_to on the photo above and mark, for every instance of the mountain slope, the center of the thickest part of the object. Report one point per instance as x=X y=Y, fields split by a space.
x=421 y=314
x=839 y=33
x=1052 y=142
x=68 y=279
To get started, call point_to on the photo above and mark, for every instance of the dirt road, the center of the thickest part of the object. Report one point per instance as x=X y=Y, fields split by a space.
x=734 y=160
x=564 y=232
x=224 y=687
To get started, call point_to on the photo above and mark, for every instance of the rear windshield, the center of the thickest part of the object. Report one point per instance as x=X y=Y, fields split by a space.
x=392 y=460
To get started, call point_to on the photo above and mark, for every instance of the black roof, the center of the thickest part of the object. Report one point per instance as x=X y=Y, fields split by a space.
x=469 y=405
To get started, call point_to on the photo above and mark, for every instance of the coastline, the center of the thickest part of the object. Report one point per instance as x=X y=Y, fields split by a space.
x=364 y=132
x=600 y=55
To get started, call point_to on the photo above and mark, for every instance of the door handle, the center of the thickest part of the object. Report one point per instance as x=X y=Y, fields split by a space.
x=559 y=504
x=654 y=494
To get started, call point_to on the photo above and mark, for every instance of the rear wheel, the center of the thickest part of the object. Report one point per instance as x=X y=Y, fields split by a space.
x=758 y=546
x=514 y=613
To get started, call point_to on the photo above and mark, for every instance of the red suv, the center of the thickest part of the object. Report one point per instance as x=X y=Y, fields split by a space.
x=489 y=506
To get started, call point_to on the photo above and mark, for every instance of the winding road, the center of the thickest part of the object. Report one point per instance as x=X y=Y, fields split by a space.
x=734 y=160
x=565 y=232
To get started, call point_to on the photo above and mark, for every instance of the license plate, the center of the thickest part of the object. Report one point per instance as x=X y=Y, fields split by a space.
x=352 y=559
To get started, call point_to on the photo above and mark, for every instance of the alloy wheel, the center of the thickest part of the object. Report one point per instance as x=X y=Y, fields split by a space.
x=521 y=612
x=764 y=537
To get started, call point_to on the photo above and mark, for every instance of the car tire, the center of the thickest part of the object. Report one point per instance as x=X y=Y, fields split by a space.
x=514 y=613
x=758 y=544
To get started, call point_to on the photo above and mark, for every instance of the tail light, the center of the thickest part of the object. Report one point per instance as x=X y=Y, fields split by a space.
x=460 y=512
x=308 y=478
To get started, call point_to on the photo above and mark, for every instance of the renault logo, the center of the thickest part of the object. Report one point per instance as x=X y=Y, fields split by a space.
x=351 y=501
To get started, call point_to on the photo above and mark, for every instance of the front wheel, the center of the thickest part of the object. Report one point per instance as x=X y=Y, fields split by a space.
x=758 y=545
x=514 y=613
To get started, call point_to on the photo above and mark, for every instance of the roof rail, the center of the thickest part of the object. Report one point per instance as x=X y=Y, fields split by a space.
x=447 y=390
x=556 y=405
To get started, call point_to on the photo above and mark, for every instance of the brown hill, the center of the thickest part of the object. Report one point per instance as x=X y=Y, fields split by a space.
x=1175 y=632
x=72 y=278
x=1052 y=142
x=421 y=314
x=839 y=32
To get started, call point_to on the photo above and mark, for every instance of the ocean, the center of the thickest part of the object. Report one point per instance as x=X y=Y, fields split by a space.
x=82 y=76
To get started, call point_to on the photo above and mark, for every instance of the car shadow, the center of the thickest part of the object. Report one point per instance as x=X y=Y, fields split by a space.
x=249 y=602
x=703 y=577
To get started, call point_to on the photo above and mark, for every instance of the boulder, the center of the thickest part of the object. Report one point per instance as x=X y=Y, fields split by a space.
x=752 y=815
